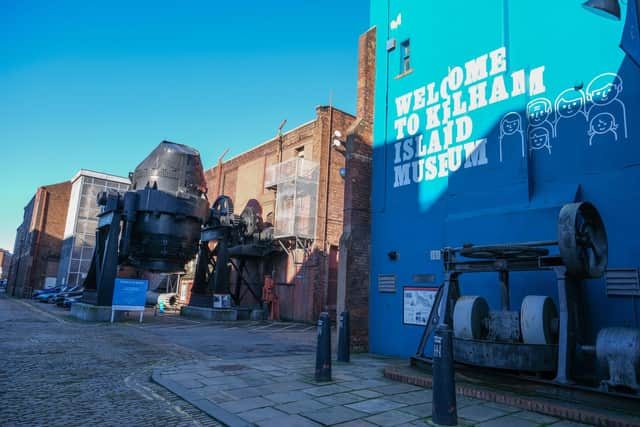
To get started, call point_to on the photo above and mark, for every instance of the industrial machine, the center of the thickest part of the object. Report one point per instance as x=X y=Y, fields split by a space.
x=155 y=226
x=537 y=337
x=165 y=220
x=232 y=242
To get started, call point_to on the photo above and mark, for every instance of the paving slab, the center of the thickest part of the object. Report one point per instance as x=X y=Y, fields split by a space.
x=479 y=413
x=375 y=405
x=420 y=410
x=287 y=396
x=340 y=399
x=539 y=418
x=367 y=394
x=243 y=405
x=356 y=423
x=301 y=406
x=325 y=390
x=507 y=421
x=414 y=397
x=397 y=388
x=391 y=418
x=288 y=421
x=261 y=414
x=334 y=415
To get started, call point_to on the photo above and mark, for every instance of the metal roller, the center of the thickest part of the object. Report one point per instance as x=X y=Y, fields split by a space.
x=536 y=320
x=582 y=240
x=468 y=317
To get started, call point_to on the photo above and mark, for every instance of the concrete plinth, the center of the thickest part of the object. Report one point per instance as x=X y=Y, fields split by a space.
x=243 y=313
x=94 y=313
x=258 y=314
x=209 y=313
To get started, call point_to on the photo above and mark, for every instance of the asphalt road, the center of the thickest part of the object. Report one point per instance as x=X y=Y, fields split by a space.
x=55 y=370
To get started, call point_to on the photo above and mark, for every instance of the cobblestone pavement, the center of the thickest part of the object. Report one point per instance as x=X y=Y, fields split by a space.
x=60 y=372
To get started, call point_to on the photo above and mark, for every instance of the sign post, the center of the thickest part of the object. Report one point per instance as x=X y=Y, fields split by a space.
x=129 y=295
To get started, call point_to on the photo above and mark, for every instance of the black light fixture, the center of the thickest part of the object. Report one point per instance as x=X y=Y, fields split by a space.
x=609 y=9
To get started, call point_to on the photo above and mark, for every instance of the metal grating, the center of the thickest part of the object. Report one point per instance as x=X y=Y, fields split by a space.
x=623 y=282
x=387 y=283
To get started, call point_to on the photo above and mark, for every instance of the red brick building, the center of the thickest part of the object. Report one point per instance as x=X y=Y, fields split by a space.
x=5 y=262
x=307 y=270
x=38 y=242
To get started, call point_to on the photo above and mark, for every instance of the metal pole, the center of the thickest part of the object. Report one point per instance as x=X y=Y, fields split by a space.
x=344 y=338
x=444 y=410
x=323 y=351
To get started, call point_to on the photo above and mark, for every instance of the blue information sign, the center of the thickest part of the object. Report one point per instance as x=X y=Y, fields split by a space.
x=129 y=294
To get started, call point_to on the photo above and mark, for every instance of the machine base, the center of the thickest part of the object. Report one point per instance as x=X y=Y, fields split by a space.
x=501 y=355
x=94 y=313
x=226 y=314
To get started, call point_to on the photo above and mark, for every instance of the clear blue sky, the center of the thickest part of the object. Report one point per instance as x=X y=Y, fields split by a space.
x=97 y=85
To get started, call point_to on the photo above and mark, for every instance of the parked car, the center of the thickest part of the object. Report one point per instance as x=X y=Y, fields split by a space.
x=69 y=301
x=73 y=292
x=46 y=296
x=45 y=291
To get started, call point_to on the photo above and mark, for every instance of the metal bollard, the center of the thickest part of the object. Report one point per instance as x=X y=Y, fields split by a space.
x=444 y=410
x=323 y=351
x=344 y=337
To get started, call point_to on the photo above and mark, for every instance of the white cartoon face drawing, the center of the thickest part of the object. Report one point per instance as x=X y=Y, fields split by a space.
x=538 y=111
x=538 y=138
x=604 y=88
x=511 y=123
x=603 y=123
x=570 y=102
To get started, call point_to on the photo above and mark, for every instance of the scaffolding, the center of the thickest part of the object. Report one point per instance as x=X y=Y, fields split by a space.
x=296 y=185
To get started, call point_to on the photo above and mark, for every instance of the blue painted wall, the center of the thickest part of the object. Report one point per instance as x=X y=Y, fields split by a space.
x=560 y=124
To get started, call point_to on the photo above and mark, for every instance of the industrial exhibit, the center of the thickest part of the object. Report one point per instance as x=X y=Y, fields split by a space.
x=508 y=162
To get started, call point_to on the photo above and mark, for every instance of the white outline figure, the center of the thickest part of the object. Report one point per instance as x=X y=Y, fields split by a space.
x=506 y=130
x=539 y=138
x=538 y=113
x=605 y=94
x=599 y=125
x=568 y=108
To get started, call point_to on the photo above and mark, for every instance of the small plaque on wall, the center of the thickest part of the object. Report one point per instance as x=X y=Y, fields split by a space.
x=416 y=304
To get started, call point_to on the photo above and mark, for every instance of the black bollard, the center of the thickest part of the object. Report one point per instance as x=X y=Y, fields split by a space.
x=344 y=337
x=323 y=352
x=444 y=410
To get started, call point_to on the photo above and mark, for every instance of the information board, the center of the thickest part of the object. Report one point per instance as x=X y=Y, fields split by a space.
x=129 y=295
x=417 y=303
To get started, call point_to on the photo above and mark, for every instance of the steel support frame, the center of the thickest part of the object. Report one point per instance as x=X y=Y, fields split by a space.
x=449 y=292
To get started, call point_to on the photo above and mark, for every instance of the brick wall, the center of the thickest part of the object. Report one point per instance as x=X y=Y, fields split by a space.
x=39 y=239
x=355 y=243
x=5 y=262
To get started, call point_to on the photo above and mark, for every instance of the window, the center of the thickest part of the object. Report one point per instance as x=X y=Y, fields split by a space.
x=404 y=57
x=300 y=152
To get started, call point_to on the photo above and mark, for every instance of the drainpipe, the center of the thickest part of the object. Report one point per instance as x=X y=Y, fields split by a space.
x=219 y=183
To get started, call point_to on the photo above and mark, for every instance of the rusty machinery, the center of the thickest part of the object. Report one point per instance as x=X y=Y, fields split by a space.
x=230 y=241
x=538 y=338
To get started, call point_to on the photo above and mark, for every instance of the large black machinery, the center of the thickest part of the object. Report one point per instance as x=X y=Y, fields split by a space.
x=537 y=337
x=232 y=242
x=165 y=220
x=156 y=225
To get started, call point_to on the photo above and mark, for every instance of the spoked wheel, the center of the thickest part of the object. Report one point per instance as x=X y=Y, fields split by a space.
x=582 y=240
x=502 y=251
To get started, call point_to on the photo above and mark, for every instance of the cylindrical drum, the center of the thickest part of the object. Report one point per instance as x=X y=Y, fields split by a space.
x=536 y=318
x=468 y=317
